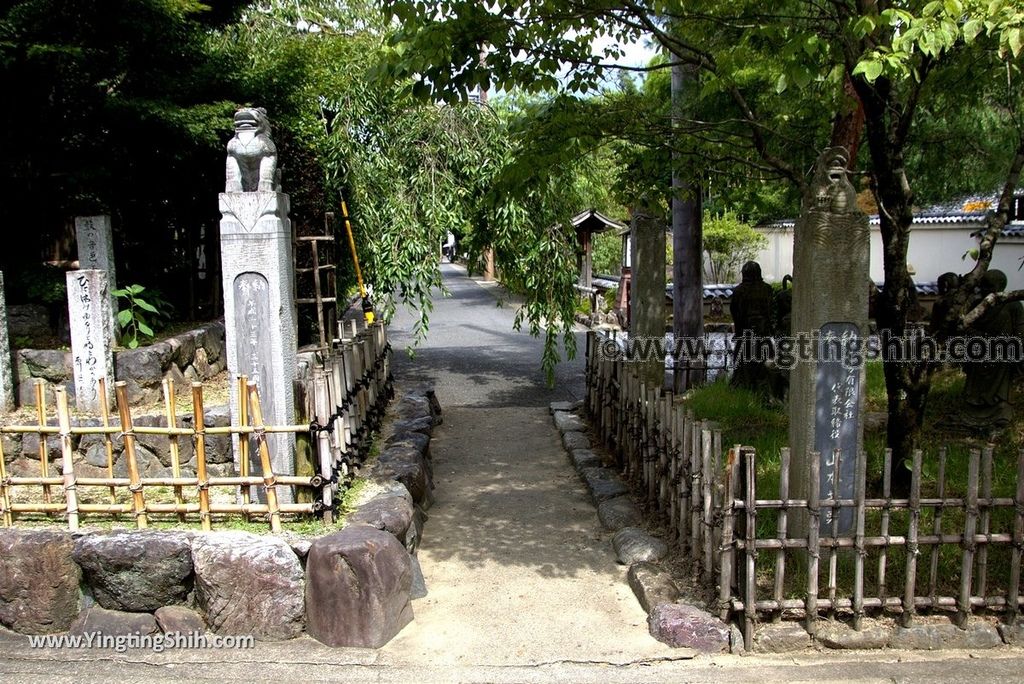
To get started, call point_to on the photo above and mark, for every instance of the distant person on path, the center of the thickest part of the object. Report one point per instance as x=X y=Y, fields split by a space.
x=448 y=251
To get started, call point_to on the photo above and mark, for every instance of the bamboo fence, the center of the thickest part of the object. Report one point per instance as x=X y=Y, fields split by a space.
x=353 y=386
x=888 y=562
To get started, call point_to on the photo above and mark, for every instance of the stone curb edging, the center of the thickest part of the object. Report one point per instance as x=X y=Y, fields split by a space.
x=233 y=582
x=680 y=624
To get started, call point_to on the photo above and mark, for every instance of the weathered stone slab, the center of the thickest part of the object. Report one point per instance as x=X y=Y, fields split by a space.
x=633 y=545
x=38 y=581
x=575 y=440
x=838 y=635
x=247 y=584
x=100 y=621
x=684 y=626
x=932 y=637
x=618 y=513
x=136 y=571
x=568 y=422
x=416 y=440
x=556 y=406
x=783 y=637
x=1012 y=635
x=358 y=588
x=651 y=585
x=585 y=458
x=179 y=619
x=603 y=484
x=418 y=588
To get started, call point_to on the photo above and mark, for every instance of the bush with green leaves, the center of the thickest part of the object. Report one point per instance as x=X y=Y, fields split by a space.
x=133 y=311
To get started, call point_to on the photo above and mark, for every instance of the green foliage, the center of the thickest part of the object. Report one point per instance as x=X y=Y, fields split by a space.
x=132 y=315
x=607 y=254
x=729 y=243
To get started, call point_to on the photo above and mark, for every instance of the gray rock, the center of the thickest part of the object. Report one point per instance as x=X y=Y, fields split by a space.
x=99 y=620
x=414 y=408
x=30 y=446
x=556 y=406
x=247 y=584
x=603 y=484
x=96 y=456
x=137 y=571
x=684 y=626
x=365 y=575
x=390 y=510
x=409 y=467
x=575 y=440
x=12 y=445
x=619 y=512
x=179 y=619
x=838 y=635
x=633 y=545
x=568 y=422
x=782 y=637
x=141 y=364
x=50 y=364
x=418 y=588
x=424 y=424
x=415 y=440
x=651 y=585
x=38 y=581
x=585 y=458
x=28 y=320
x=1012 y=635
x=931 y=637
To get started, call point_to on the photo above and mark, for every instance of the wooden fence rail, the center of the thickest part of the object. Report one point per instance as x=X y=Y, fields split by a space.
x=765 y=558
x=353 y=386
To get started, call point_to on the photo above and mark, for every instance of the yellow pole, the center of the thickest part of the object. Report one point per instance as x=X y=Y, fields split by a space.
x=367 y=306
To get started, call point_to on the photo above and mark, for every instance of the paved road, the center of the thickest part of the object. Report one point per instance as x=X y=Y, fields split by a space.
x=474 y=357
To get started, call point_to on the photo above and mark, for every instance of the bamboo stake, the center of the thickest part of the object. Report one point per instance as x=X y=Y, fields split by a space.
x=727 y=560
x=199 y=422
x=138 y=498
x=860 y=484
x=782 y=529
x=5 y=498
x=243 y=440
x=912 y=551
x=884 y=530
x=970 y=526
x=696 y=486
x=717 y=492
x=108 y=443
x=44 y=452
x=665 y=444
x=268 y=471
x=986 y=513
x=67 y=453
x=705 y=436
x=750 y=612
x=321 y=403
x=685 y=482
x=172 y=440
x=1013 y=593
x=813 y=531
x=933 y=580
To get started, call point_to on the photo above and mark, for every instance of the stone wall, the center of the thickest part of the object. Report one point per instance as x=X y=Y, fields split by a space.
x=350 y=587
x=196 y=355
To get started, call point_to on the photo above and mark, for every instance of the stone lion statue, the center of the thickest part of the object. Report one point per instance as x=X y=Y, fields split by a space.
x=830 y=186
x=252 y=155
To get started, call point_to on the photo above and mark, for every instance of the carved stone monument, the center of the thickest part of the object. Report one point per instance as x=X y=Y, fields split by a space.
x=95 y=239
x=6 y=374
x=830 y=306
x=258 y=282
x=92 y=354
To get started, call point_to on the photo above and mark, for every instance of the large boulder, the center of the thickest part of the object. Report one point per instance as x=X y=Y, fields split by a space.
x=247 y=584
x=568 y=422
x=619 y=512
x=358 y=588
x=651 y=585
x=390 y=509
x=603 y=484
x=137 y=571
x=38 y=581
x=408 y=466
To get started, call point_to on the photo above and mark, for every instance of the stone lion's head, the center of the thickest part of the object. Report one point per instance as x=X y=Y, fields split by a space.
x=252 y=119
